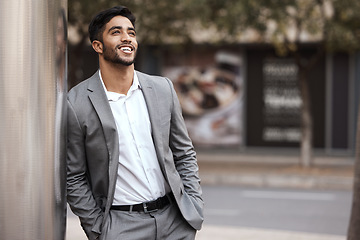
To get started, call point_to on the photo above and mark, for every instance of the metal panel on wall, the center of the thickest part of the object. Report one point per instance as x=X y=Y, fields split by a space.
x=340 y=102
x=32 y=130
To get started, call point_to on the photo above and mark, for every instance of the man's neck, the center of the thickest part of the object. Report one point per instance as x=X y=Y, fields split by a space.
x=117 y=78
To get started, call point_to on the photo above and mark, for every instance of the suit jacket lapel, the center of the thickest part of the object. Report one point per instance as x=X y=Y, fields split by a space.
x=152 y=102
x=100 y=102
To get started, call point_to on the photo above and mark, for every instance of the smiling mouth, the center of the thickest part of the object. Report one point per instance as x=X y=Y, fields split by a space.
x=126 y=49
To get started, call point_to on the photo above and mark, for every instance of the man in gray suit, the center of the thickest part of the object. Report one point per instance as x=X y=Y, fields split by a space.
x=132 y=169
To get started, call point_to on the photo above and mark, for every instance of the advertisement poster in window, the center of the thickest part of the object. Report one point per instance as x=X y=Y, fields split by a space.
x=211 y=98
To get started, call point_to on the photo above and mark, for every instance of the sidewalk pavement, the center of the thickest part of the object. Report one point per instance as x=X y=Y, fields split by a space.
x=277 y=171
x=261 y=170
x=210 y=232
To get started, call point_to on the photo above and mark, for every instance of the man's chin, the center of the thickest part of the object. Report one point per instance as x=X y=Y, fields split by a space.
x=122 y=62
x=126 y=63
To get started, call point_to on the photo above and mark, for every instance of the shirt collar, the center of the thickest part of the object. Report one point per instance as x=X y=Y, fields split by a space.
x=113 y=96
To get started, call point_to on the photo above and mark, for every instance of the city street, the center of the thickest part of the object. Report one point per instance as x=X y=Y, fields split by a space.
x=322 y=212
x=234 y=212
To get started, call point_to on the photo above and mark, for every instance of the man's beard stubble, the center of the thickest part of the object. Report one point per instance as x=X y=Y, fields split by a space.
x=112 y=56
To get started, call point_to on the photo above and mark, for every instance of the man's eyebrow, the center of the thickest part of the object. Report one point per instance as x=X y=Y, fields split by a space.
x=119 y=27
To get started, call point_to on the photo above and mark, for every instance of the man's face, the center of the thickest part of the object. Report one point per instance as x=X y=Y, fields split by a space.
x=119 y=41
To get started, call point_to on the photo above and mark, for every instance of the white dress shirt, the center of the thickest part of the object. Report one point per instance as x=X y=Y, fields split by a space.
x=139 y=175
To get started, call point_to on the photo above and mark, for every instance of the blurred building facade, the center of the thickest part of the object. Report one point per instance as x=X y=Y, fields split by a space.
x=242 y=96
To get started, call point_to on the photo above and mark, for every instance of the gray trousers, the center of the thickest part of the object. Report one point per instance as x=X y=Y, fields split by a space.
x=164 y=224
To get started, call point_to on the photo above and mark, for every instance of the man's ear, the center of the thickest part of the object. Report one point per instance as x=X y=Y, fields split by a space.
x=97 y=46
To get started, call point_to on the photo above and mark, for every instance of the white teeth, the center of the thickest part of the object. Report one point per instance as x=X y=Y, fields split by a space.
x=126 y=49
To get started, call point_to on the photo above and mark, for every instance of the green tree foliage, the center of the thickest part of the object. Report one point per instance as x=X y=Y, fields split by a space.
x=335 y=22
x=286 y=23
x=158 y=21
x=344 y=29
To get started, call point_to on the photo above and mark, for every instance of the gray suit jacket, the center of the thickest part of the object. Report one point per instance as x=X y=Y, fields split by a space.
x=93 y=151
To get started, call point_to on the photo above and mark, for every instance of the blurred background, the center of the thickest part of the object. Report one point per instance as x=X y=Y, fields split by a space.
x=270 y=95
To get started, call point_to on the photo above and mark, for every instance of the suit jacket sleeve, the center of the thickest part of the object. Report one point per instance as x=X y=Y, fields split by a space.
x=79 y=195
x=184 y=154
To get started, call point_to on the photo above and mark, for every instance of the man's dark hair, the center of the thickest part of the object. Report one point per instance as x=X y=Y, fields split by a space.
x=96 y=27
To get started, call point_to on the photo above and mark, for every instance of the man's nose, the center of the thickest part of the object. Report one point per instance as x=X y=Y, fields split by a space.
x=125 y=37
